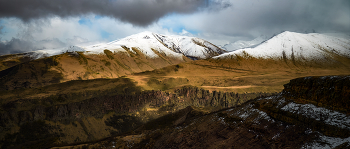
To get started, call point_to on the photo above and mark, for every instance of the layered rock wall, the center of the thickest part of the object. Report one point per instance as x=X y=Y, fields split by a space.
x=332 y=92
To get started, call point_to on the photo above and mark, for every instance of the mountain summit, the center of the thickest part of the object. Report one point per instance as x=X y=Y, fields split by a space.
x=171 y=45
x=291 y=45
x=192 y=47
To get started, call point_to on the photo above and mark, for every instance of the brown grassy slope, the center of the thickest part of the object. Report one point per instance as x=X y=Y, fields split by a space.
x=63 y=93
x=33 y=73
x=245 y=73
x=80 y=66
x=7 y=61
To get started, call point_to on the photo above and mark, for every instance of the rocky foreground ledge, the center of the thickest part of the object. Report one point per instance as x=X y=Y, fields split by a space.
x=331 y=92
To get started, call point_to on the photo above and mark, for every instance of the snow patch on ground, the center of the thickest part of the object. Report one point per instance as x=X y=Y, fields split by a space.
x=248 y=110
x=320 y=114
x=326 y=142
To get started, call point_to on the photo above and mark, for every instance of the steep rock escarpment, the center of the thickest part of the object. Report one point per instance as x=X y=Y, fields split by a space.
x=101 y=117
x=278 y=121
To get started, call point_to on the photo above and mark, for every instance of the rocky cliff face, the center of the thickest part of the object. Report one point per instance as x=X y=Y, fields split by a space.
x=101 y=117
x=302 y=115
x=290 y=119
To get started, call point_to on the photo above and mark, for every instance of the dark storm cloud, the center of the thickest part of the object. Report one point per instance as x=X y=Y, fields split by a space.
x=16 y=45
x=137 y=12
x=1 y=27
x=252 y=18
x=217 y=5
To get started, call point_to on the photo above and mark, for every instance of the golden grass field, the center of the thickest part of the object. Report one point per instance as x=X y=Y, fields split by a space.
x=241 y=74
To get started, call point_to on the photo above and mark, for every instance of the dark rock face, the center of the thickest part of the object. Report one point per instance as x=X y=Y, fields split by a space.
x=232 y=132
x=274 y=107
x=201 y=97
x=97 y=107
x=266 y=122
x=332 y=92
x=122 y=104
x=243 y=127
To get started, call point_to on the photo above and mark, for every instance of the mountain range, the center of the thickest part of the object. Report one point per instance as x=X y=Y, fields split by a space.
x=164 y=91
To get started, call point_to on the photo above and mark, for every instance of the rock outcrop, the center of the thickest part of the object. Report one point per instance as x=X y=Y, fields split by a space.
x=332 y=92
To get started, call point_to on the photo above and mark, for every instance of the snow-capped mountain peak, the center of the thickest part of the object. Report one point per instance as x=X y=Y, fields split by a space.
x=145 y=42
x=190 y=46
x=148 y=43
x=171 y=45
x=297 y=45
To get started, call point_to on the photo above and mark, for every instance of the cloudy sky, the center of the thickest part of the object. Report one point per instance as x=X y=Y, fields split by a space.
x=27 y=25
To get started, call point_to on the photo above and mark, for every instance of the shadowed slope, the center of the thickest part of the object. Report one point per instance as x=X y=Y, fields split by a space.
x=276 y=121
x=78 y=66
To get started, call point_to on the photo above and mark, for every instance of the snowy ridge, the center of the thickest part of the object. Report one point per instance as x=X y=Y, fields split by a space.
x=297 y=45
x=173 y=46
x=51 y=52
x=145 y=42
x=190 y=46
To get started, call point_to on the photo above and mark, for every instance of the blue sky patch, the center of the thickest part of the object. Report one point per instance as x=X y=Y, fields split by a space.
x=98 y=17
x=104 y=34
x=171 y=22
x=178 y=29
x=85 y=21
x=7 y=31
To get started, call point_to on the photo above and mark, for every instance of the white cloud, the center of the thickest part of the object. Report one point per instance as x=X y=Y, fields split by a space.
x=251 y=18
x=56 y=33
